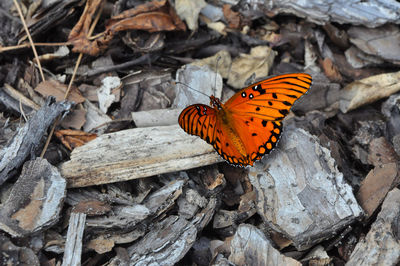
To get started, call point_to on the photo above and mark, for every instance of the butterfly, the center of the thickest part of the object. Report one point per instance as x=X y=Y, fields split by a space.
x=249 y=124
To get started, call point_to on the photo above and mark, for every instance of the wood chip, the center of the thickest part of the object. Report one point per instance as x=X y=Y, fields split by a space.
x=383 y=42
x=96 y=120
x=20 y=97
x=35 y=200
x=58 y=90
x=369 y=90
x=369 y=14
x=381 y=152
x=29 y=137
x=250 y=246
x=170 y=239
x=248 y=68
x=200 y=78
x=14 y=255
x=152 y=118
x=73 y=245
x=136 y=153
x=301 y=193
x=376 y=185
x=166 y=243
x=92 y=207
x=381 y=245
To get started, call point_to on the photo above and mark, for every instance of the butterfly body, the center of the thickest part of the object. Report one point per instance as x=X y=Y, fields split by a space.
x=249 y=124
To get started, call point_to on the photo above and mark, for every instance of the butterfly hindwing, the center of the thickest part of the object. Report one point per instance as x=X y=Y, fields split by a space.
x=227 y=144
x=261 y=135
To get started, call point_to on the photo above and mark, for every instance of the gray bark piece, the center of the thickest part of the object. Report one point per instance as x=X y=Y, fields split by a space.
x=250 y=246
x=202 y=79
x=370 y=13
x=14 y=255
x=170 y=239
x=381 y=245
x=165 y=244
x=164 y=198
x=190 y=203
x=128 y=217
x=35 y=200
x=301 y=193
x=383 y=42
x=28 y=138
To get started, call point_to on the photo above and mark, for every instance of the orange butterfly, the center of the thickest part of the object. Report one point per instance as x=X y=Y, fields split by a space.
x=249 y=124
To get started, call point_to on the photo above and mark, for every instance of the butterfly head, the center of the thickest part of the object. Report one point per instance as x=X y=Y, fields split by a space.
x=215 y=102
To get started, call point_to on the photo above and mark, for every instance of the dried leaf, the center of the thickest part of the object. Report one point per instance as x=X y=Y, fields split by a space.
x=92 y=207
x=250 y=67
x=79 y=33
x=57 y=89
x=189 y=11
x=331 y=70
x=75 y=120
x=369 y=90
x=74 y=138
x=232 y=17
x=153 y=16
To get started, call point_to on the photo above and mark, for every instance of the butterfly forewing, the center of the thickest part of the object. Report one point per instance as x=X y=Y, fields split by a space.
x=270 y=99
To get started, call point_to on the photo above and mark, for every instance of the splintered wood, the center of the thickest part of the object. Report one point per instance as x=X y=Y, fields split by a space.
x=73 y=246
x=136 y=153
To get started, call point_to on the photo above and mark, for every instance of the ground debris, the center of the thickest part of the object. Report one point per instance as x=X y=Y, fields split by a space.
x=120 y=183
x=381 y=246
x=35 y=200
x=300 y=192
x=26 y=142
x=250 y=246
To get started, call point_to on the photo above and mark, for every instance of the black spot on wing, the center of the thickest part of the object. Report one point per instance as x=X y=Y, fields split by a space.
x=264 y=123
x=283 y=112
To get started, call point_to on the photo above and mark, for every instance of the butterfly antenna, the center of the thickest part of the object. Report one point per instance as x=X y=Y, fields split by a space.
x=178 y=82
x=216 y=73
